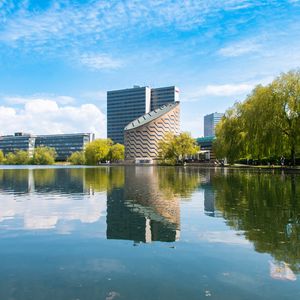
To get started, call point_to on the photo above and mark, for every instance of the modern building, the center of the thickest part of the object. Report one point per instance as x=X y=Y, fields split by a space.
x=210 y=122
x=164 y=95
x=64 y=144
x=126 y=105
x=143 y=134
x=18 y=141
x=206 y=146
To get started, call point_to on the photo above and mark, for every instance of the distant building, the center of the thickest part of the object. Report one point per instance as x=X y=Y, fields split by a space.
x=18 y=141
x=210 y=122
x=143 y=134
x=64 y=144
x=206 y=146
x=124 y=106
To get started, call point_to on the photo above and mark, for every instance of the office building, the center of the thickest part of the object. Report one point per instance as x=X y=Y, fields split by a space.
x=210 y=122
x=124 y=106
x=18 y=141
x=64 y=144
x=163 y=95
x=143 y=134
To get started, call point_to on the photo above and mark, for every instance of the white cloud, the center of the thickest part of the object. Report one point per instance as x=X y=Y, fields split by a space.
x=218 y=90
x=49 y=212
x=224 y=237
x=240 y=48
x=97 y=18
x=13 y=100
x=227 y=89
x=99 y=61
x=44 y=116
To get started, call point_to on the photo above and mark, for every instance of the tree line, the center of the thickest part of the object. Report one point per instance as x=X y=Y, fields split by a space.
x=266 y=126
x=97 y=151
x=100 y=150
x=41 y=156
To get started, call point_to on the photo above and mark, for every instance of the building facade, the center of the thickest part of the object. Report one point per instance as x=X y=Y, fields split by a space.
x=124 y=106
x=164 y=95
x=18 y=141
x=143 y=134
x=64 y=144
x=210 y=122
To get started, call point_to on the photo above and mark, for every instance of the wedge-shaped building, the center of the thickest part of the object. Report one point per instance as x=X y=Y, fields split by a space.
x=143 y=134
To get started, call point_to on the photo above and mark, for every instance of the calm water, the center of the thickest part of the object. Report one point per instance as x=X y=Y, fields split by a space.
x=148 y=233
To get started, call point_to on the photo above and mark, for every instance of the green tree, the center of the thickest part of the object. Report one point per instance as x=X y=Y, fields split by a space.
x=1 y=157
x=10 y=158
x=266 y=125
x=77 y=158
x=43 y=156
x=286 y=105
x=116 y=152
x=22 y=157
x=97 y=151
x=175 y=148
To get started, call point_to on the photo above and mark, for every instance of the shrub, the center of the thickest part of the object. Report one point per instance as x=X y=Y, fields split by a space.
x=77 y=158
x=44 y=156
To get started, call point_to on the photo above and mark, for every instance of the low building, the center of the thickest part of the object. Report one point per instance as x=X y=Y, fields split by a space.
x=206 y=147
x=18 y=141
x=143 y=134
x=64 y=144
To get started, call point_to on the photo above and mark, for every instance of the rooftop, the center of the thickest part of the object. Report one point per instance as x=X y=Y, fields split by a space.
x=152 y=115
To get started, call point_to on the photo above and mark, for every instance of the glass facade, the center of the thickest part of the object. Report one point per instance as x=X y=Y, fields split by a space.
x=19 y=141
x=124 y=106
x=64 y=144
x=210 y=122
x=163 y=96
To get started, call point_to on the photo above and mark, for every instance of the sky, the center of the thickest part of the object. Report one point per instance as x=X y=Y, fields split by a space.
x=58 y=58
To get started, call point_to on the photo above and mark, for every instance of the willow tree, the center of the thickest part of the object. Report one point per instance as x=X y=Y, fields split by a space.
x=265 y=125
x=286 y=100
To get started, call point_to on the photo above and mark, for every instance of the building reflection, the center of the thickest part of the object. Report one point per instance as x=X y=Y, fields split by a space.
x=140 y=211
x=23 y=181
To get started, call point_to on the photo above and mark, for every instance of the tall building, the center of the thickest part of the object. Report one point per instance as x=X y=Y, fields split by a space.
x=142 y=135
x=163 y=95
x=210 y=122
x=124 y=106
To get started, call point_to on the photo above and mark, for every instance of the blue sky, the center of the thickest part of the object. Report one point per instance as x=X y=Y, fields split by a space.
x=58 y=58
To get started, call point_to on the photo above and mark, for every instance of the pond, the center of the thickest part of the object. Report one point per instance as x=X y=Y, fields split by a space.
x=148 y=233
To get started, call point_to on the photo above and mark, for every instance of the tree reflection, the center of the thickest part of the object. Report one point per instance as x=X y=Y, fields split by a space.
x=266 y=208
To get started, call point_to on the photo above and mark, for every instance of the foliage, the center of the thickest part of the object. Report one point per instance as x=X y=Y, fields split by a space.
x=265 y=125
x=43 y=156
x=77 y=158
x=97 y=151
x=1 y=157
x=116 y=152
x=175 y=148
x=265 y=207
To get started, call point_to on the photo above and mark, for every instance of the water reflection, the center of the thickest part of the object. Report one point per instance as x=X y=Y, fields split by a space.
x=144 y=204
x=267 y=208
x=140 y=210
